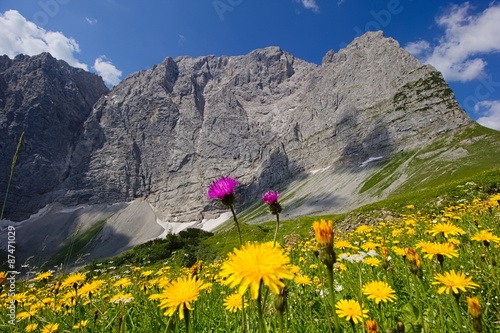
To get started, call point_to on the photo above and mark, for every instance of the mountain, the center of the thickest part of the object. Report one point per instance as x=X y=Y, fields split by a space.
x=141 y=156
x=49 y=101
x=164 y=134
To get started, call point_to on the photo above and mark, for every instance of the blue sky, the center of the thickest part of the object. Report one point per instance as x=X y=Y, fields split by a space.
x=115 y=38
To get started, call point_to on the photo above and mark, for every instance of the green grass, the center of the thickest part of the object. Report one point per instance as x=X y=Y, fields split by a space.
x=435 y=165
x=128 y=298
x=77 y=246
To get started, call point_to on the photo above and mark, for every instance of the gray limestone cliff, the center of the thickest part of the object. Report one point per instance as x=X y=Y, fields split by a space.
x=49 y=101
x=164 y=134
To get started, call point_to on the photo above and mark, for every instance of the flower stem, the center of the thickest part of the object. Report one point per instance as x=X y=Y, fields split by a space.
x=331 y=289
x=243 y=314
x=186 y=320
x=237 y=224
x=259 y=309
x=277 y=227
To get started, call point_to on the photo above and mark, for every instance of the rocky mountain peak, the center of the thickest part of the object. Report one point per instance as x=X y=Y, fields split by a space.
x=165 y=133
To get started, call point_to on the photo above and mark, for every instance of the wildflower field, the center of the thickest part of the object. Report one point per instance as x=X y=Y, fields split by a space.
x=413 y=272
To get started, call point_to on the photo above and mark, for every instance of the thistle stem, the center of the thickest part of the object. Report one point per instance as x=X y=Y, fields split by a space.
x=237 y=224
x=277 y=227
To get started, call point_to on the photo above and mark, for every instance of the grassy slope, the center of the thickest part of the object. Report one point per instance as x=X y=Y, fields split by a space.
x=454 y=156
x=437 y=171
x=434 y=176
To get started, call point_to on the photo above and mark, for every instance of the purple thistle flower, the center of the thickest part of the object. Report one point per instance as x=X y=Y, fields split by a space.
x=270 y=197
x=222 y=188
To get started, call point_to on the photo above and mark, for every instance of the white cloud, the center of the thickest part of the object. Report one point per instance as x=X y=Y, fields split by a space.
x=490 y=111
x=110 y=74
x=417 y=48
x=91 y=21
x=466 y=38
x=181 y=40
x=22 y=36
x=310 y=4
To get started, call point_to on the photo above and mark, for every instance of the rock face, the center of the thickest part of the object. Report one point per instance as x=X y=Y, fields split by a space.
x=49 y=101
x=164 y=134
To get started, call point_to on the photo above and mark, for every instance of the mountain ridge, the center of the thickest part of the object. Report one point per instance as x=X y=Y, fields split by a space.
x=155 y=142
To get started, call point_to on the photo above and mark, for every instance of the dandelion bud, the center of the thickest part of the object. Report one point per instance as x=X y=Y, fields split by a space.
x=475 y=310
x=400 y=328
x=371 y=326
x=280 y=300
x=474 y=307
x=323 y=231
x=415 y=262
x=56 y=287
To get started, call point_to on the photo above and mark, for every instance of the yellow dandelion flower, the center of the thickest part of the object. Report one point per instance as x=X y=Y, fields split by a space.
x=50 y=328
x=147 y=273
x=399 y=250
x=444 y=249
x=73 y=280
x=397 y=232
x=363 y=229
x=485 y=236
x=411 y=222
x=154 y=297
x=343 y=244
x=25 y=315
x=256 y=262
x=71 y=294
x=31 y=327
x=446 y=229
x=350 y=310
x=379 y=291
x=91 y=287
x=453 y=281
x=180 y=294
x=323 y=231
x=123 y=283
x=474 y=307
x=372 y=261
x=37 y=306
x=121 y=298
x=294 y=269
x=48 y=300
x=370 y=246
x=81 y=324
x=303 y=280
x=339 y=266
x=423 y=245
x=43 y=276
x=234 y=302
